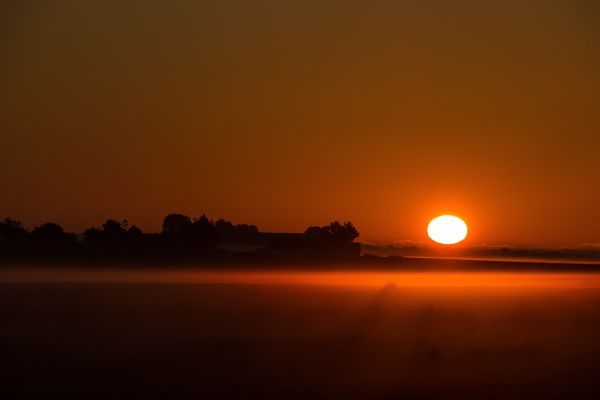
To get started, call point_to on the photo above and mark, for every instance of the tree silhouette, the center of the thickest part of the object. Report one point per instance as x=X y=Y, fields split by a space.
x=111 y=232
x=180 y=230
x=176 y=225
x=134 y=232
x=231 y=233
x=334 y=233
x=92 y=235
x=12 y=230
x=203 y=232
x=114 y=228
x=339 y=233
x=182 y=239
x=51 y=234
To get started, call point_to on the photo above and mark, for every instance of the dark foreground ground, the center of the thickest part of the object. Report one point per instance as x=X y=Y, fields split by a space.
x=288 y=340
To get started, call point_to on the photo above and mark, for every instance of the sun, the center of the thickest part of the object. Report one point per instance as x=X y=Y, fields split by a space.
x=447 y=229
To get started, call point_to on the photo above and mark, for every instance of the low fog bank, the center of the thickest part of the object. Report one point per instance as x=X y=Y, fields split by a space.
x=280 y=267
x=581 y=253
x=332 y=278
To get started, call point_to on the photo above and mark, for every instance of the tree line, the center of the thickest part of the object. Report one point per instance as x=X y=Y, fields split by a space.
x=182 y=237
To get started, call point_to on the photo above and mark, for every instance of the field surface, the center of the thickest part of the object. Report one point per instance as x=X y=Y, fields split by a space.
x=185 y=334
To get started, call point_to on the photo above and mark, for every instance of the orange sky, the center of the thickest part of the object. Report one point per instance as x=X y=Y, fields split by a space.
x=287 y=114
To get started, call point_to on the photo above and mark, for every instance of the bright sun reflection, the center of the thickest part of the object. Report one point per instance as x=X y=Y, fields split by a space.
x=447 y=229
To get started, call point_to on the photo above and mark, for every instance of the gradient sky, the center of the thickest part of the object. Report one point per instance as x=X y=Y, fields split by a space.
x=288 y=114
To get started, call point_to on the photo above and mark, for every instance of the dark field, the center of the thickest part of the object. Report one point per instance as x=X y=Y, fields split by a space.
x=302 y=335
